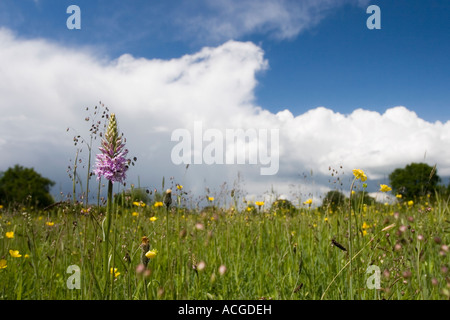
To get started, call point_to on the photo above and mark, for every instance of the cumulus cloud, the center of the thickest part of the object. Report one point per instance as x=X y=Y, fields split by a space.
x=45 y=88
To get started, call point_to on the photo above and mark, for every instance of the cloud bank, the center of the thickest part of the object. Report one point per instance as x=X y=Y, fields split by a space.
x=45 y=88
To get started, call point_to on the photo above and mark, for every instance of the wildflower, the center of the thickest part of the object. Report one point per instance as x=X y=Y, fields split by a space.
x=398 y=196
x=151 y=254
x=85 y=211
x=168 y=198
x=153 y=219
x=26 y=256
x=258 y=203
x=3 y=264
x=158 y=204
x=115 y=272
x=410 y=203
x=308 y=202
x=210 y=199
x=10 y=234
x=222 y=270
x=111 y=162
x=179 y=186
x=385 y=188
x=50 y=223
x=140 y=268
x=326 y=219
x=1 y=206
x=359 y=174
x=201 y=265
x=135 y=214
x=249 y=209
x=199 y=226
x=15 y=253
x=145 y=246
x=139 y=204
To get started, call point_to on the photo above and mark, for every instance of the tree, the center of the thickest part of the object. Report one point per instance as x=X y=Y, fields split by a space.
x=333 y=199
x=415 y=180
x=361 y=197
x=24 y=185
x=282 y=205
x=126 y=198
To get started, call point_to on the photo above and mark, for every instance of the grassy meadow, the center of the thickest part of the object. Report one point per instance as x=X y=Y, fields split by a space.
x=256 y=252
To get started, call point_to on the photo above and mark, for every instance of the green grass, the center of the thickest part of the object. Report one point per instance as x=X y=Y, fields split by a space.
x=267 y=254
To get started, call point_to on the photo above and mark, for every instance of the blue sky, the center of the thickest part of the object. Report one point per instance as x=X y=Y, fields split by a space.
x=162 y=65
x=337 y=62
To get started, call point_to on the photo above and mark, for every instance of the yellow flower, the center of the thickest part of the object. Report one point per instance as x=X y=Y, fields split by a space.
x=309 y=201
x=365 y=225
x=15 y=253
x=359 y=174
x=115 y=272
x=50 y=224
x=153 y=219
x=249 y=209
x=26 y=256
x=135 y=214
x=10 y=234
x=259 y=203
x=364 y=233
x=158 y=204
x=139 y=204
x=3 y=264
x=1 y=206
x=326 y=219
x=151 y=254
x=410 y=203
x=398 y=196
x=210 y=198
x=179 y=186
x=385 y=188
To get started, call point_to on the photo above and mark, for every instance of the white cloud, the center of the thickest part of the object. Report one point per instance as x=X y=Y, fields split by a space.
x=282 y=19
x=44 y=88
